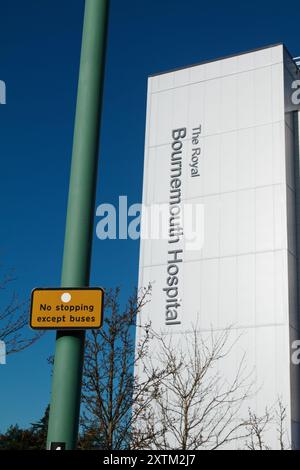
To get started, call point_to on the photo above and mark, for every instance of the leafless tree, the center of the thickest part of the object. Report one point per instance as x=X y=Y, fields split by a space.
x=14 y=319
x=109 y=387
x=193 y=406
x=274 y=418
x=257 y=426
x=165 y=392
x=281 y=420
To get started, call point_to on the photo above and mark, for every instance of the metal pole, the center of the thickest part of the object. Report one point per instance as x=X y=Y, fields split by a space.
x=68 y=362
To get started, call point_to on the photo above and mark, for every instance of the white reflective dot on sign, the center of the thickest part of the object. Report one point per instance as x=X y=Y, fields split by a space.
x=66 y=297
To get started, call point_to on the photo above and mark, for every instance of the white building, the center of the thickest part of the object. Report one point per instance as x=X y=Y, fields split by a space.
x=235 y=116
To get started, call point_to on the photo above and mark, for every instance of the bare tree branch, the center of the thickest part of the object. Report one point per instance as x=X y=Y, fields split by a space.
x=14 y=319
x=192 y=406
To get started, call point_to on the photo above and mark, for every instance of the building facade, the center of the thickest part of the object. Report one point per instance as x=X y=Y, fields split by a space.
x=221 y=155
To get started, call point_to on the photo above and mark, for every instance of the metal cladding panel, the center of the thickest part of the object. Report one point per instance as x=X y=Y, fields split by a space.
x=233 y=111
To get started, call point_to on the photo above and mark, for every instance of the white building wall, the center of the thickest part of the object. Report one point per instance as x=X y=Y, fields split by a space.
x=245 y=274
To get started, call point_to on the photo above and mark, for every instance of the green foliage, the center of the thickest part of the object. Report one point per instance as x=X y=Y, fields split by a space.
x=33 y=438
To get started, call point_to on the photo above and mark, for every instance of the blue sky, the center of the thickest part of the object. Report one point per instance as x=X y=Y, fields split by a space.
x=39 y=58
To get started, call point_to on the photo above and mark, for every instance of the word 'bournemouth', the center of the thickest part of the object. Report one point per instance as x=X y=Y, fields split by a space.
x=175 y=229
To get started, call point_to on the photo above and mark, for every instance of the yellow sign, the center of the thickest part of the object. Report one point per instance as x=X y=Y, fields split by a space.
x=69 y=309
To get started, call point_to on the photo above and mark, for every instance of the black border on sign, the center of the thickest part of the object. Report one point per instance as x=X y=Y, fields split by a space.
x=67 y=328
